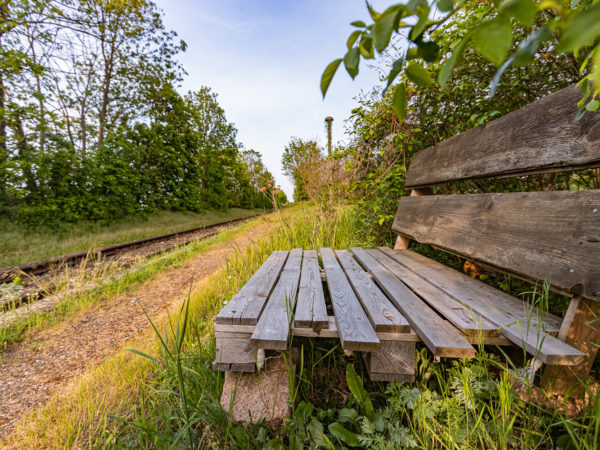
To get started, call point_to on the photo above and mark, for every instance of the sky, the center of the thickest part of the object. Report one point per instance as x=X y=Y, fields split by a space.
x=264 y=59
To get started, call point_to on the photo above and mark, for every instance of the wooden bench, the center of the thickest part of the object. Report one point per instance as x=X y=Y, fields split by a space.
x=382 y=301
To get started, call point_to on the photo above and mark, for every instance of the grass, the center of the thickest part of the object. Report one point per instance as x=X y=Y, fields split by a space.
x=169 y=397
x=83 y=290
x=19 y=244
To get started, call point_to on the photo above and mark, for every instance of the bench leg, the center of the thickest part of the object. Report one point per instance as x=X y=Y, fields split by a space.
x=251 y=397
x=580 y=329
x=233 y=352
x=394 y=362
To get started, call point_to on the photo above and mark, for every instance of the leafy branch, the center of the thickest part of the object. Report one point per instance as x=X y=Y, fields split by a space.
x=564 y=26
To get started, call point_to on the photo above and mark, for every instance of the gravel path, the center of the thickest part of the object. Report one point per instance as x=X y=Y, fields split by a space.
x=48 y=360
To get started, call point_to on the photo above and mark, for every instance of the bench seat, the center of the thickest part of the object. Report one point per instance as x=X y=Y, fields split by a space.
x=380 y=302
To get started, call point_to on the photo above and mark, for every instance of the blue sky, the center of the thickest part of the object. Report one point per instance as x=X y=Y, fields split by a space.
x=264 y=59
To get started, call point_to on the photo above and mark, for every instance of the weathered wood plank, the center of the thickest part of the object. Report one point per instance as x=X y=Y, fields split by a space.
x=467 y=289
x=440 y=337
x=394 y=362
x=331 y=332
x=354 y=327
x=273 y=327
x=540 y=137
x=383 y=315
x=233 y=352
x=522 y=331
x=580 y=329
x=247 y=305
x=460 y=315
x=553 y=236
x=311 y=311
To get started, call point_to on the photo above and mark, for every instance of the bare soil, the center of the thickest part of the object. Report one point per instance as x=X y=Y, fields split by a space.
x=50 y=359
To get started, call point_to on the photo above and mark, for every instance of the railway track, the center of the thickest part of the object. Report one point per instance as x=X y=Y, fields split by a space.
x=31 y=271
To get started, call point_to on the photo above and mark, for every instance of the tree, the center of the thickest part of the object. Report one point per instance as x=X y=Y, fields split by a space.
x=382 y=144
x=564 y=27
x=297 y=158
x=92 y=125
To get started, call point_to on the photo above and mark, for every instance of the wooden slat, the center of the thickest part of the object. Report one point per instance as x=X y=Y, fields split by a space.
x=580 y=329
x=463 y=288
x=273 y=327
x=383 y=315
x=439 y=336
x=553 y=236
x=233 y=352
x=246 y=306
x=394 y=362
x=354 y=327
x=311 y=311
x=540 y=137
x=461 y=316
x=331 y=332
x=522 y=331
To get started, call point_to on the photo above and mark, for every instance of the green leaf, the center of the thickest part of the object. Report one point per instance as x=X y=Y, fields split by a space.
x=522 y=10
x=447 y=67
x=366 y=48
x=445 y=5
x=413 y=6
x=394 y=71
x=359 y=24
x=593 y=105
x=399 y=101
x=496 y=80
x=328 y=75
x=355 y=385
x=344 y=435
x=526 y=50
x=374 y=14
x=412 y=53
x=352 y=38
x=418 y=74
x=144 y=355
x=347 y=415
x=445 y=71
x=580 y=113
x=493 y=39
x=385 y=25
x=419 y=27
x=429 y=51
x=581 y=30
x=315 y=428
x=351 y=61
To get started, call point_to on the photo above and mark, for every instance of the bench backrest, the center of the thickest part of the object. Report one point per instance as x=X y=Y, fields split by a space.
x=552 y=236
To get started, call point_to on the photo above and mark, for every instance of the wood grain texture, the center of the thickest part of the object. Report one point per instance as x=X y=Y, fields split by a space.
x=354 y=328
x=331 y=332
x=273 y=327
x=311 y=311
x=383 y=315
x=394 y=362
x=580 y=329
x=469 y=290
x=247 y=305
x=499 y=308
x=552 y=236
x=233 y=352
x=439 y=336
x=459 y=314
x=540 y=137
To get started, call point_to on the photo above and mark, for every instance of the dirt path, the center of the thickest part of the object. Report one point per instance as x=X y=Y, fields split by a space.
x=32 y=370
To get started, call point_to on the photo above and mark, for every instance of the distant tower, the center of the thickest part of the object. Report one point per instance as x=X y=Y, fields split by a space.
x=328 y=120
